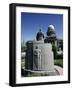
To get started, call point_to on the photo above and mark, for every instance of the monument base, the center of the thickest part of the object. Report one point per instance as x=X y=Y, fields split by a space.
x=30 y=73
x=40 y=73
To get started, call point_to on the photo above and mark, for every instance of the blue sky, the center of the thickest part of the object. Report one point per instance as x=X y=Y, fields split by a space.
x=32 y=22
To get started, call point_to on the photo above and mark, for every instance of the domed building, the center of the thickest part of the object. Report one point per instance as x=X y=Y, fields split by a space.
x=51 y=35
x=52 y=38
x=51 y=31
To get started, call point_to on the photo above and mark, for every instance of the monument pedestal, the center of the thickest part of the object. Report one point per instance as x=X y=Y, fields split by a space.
x=30 y=73
x=41 y=73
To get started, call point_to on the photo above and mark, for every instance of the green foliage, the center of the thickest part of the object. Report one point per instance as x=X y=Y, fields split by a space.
x=22 y=64
x=54 y=49
x=61 y=45
x=23 y=49
x=58 y=62
x=60 y=56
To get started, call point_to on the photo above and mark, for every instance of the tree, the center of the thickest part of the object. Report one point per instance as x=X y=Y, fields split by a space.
x=54 y=49
x=23 y=46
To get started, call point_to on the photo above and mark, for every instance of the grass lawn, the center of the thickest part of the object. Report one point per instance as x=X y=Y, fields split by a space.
x=58 y=62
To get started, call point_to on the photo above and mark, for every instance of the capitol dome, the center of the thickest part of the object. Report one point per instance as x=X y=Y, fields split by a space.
x=51 y=27
x=51 y=30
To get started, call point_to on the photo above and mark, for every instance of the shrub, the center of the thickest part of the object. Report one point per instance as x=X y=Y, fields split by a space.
x=54 y=49
x=59 y=62
x=60 y=56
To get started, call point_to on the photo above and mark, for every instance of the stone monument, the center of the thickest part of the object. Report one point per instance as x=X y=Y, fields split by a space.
x=39 y=57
